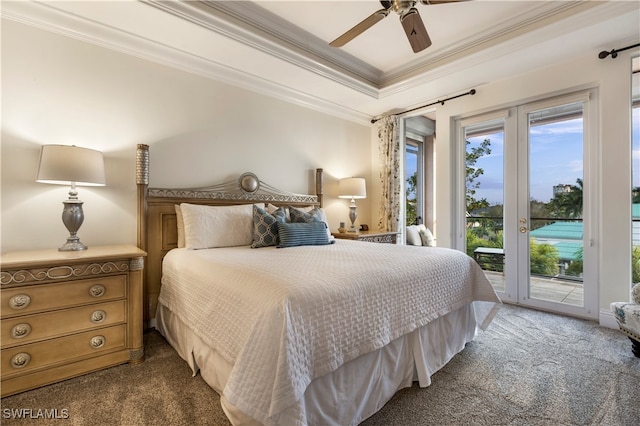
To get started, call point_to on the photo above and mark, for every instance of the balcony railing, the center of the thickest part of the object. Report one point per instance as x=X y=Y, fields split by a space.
x=563 y=260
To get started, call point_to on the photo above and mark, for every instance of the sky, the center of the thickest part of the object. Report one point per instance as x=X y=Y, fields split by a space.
x=555 y=157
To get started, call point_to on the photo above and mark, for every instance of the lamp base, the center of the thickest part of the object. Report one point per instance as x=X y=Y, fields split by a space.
x=72 y=244
x=353 y=215
x=72 y=217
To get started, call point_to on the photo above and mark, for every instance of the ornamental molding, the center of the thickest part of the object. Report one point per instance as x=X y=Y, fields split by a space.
x=196 y=194
x=248 y=187
x=56 y=273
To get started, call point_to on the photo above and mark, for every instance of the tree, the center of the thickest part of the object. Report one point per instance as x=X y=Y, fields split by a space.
x=544 y=259
x=474 y=173
x=411 y=209
x=635 y=265
x=577 y=266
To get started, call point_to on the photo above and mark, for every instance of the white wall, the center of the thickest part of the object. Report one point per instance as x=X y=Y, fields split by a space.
x=612 y=77
x=63 y=91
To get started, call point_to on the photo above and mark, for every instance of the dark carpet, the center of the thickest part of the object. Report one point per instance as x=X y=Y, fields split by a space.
x=528 y=368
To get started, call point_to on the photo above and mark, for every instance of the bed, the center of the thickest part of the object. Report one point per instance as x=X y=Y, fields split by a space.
x=299 y=329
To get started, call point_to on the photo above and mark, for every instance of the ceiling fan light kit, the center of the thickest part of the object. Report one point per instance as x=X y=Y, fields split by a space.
x=409 y=18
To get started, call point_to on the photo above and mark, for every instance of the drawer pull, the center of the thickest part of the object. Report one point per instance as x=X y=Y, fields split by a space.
x=97 y=290
x=20 y=360
x=98 y=316
x=21 y=330
x=97 y=342
x=19 y=301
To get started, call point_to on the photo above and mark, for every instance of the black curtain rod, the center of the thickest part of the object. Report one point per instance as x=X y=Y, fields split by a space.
x=470 y=92
x=614 y=52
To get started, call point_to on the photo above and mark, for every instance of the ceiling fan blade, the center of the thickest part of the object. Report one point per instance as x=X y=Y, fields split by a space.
x=415 y=30
x=367 y=23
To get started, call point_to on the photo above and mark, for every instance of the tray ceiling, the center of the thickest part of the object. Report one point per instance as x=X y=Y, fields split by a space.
x=281 y=48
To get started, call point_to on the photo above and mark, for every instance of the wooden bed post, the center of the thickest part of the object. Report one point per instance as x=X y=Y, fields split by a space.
x=142 y=182
x=319 y=183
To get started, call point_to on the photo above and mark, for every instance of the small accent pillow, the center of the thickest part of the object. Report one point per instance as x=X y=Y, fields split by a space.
x=180 y=223
x=300 y=216
x=426 y=236
x=265 y=226
x=271 y=209
x=413 y=236
x=302 y=234
x=217 y=226
x=635 y=293
x=313 y=215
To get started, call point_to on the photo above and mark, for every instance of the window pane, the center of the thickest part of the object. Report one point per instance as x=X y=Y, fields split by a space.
x=411 y=177
x=635 y=170
x=485 y=199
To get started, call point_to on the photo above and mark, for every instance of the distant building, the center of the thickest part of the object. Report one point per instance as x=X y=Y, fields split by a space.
x=562 y=189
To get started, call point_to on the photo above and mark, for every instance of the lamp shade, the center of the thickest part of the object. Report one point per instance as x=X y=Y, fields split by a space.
x=64 y=165
x=352 y=188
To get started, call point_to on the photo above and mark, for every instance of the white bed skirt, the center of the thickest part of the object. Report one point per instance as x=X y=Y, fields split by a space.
x=353 y=392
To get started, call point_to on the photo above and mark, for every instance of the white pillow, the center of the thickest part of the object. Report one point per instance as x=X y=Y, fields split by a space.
x=180 y=226
x=413 y=236
x=426 y=236
x=217 y=226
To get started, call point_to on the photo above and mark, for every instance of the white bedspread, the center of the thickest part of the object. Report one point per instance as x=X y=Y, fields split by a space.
x=283 y=317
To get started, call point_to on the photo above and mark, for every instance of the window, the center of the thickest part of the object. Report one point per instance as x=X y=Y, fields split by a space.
x=414 y=182
x=418 y=143
x=635 y=173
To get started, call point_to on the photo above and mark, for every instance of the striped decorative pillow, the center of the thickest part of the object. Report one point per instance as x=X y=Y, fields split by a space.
x=302 y=234
x=313 y=215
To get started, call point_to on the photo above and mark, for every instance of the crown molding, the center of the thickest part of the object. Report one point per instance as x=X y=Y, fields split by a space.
x=512 y=38
x=271 y=25
x=299 y=54
x=268 y=35
x=49 y=17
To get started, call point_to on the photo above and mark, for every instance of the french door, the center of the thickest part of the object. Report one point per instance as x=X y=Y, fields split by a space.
x=529 y=202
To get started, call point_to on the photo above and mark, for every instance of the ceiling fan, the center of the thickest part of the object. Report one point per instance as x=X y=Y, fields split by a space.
x=409 y=17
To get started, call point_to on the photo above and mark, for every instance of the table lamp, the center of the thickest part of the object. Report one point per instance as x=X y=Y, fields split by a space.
x=352 y=188
x=71 y=165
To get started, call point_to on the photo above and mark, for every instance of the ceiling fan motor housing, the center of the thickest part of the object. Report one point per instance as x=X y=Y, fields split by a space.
x=401 y=7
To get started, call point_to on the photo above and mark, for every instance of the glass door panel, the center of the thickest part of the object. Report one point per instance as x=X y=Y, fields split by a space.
x=557 y=259
x=484 y=223
x=555 y=223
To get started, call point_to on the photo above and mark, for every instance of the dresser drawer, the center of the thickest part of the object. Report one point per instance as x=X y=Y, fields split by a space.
x=44 y=297
x=29 y=328
x=21 y=359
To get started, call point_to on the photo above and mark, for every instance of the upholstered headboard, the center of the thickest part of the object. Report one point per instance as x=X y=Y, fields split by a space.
x=157 y=223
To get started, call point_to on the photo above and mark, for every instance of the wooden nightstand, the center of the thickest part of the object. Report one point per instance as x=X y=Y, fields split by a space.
x=370 y=236
x=69 y=313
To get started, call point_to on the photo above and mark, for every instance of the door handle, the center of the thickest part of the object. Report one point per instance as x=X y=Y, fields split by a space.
x=523 y=221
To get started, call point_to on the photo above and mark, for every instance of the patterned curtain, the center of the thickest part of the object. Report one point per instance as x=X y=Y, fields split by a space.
x=390 y=178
